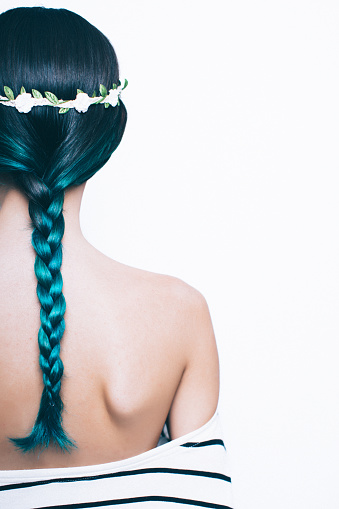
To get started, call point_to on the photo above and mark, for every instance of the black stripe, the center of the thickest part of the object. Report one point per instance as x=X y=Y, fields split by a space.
x=216 y=441
x=201 y=473
x=103 y=503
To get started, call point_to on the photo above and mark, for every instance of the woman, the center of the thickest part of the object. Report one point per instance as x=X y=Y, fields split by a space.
x=96 y=356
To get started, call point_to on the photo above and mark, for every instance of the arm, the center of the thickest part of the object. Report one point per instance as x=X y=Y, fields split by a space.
x=196 y=398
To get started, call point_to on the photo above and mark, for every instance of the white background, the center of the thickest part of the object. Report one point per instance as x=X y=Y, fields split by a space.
x=227 y=177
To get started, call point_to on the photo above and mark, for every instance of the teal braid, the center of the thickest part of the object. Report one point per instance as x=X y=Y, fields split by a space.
x=47 y=218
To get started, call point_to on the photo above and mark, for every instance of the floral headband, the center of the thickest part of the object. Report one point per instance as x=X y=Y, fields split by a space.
x=24 y=102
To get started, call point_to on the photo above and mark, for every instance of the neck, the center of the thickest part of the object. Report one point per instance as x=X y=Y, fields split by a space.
x=15 y=221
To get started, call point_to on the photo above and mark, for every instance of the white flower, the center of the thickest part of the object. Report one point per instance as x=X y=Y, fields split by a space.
x=112 y=97
x=82 y=102
x=24 y=103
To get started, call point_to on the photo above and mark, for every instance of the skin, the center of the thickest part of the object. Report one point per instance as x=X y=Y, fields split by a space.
x=138 y=347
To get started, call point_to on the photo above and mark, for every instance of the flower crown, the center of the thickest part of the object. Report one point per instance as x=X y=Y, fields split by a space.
x=25 y=101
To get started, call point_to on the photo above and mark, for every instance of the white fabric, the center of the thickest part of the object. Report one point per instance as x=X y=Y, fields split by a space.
x=191 y=471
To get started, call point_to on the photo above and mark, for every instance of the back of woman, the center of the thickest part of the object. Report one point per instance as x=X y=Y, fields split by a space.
x=95 y=356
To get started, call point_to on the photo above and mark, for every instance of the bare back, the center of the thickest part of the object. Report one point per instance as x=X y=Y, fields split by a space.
x=137 y=347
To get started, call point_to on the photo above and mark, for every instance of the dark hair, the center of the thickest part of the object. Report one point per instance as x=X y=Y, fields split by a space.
x=45 y=152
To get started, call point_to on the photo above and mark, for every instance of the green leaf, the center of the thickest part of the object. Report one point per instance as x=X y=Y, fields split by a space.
x=79 y=91
x=22 y=90
x=94 y=94
x=103 y=91
x=125 y=84
x=106 y=105
x=63 y=110
x=99 y=101
x=9 y=93
x=114 y=86
x=52 y=98
x=36 y=94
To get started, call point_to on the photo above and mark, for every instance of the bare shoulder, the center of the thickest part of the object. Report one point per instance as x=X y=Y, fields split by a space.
x=192 y=309
x=175 y=321
x=196 y=397
x=179 y=306
x=175 y=297
x=163 y=288
x=164 y=299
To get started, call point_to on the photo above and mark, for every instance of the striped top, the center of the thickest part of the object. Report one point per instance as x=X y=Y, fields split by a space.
x=191 y=470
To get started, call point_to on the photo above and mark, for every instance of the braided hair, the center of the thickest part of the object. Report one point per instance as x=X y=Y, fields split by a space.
x=44 y=153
